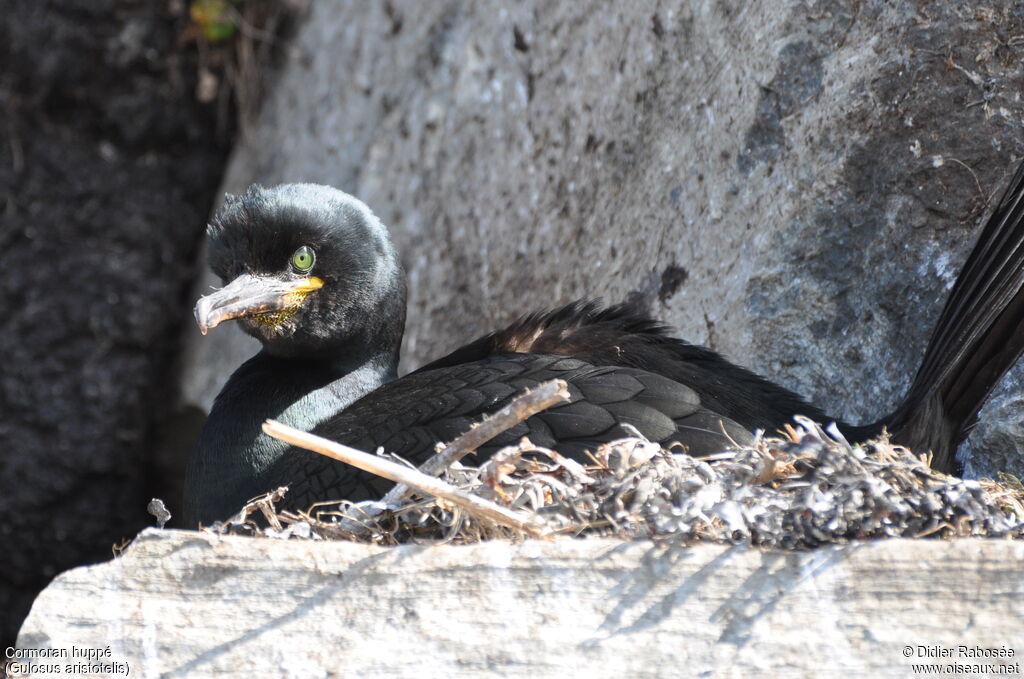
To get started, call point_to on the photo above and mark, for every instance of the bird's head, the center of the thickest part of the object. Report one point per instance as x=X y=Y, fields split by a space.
x=308 y=270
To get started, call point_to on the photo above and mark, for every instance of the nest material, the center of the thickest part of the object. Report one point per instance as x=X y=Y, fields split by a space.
x=810 y=489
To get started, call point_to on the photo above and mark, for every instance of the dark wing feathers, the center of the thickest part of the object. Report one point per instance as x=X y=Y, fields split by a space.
x=615 y=386
x=623 y=336
x=409 y=416
x=576 y=420
x=622 y=369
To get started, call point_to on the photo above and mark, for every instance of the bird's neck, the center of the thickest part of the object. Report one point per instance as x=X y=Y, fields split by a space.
x=232 y=447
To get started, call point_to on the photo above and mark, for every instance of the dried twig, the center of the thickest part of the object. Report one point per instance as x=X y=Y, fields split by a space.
x=262 y=503
x=430 y=485
x=529 y=403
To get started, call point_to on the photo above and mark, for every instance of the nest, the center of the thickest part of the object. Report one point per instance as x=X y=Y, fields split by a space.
x=810 y=488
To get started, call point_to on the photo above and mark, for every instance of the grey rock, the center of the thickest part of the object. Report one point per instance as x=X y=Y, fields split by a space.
x=793 y=183
x=186 y=604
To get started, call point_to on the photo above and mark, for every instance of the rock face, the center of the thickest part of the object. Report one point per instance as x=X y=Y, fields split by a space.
x=108 y=167
x=181 y=603
x=792 y=183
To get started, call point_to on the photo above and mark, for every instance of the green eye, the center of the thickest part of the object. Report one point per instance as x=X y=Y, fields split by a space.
x=302 y=260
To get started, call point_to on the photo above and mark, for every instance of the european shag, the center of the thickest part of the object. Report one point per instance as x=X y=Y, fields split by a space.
x=310 y=272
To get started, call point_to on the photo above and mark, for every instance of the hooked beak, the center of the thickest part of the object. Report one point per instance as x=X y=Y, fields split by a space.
x=250 y=295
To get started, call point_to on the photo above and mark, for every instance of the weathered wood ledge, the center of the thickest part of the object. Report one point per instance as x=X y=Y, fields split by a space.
x=182 y=603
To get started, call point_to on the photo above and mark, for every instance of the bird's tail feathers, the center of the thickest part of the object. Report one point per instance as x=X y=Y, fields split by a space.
x=976 y=340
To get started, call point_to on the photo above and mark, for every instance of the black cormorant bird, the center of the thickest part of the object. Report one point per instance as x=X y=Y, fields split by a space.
x=310 y=272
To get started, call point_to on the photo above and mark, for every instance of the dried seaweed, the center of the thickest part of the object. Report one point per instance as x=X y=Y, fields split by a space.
x=811 y=488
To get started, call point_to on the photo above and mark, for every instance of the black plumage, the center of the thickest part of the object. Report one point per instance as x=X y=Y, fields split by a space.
x=310 y=272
